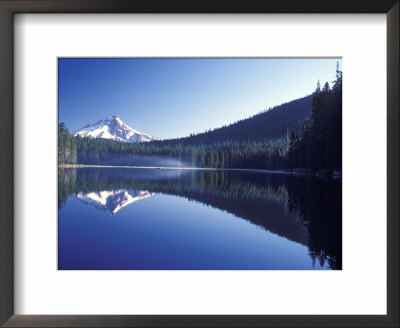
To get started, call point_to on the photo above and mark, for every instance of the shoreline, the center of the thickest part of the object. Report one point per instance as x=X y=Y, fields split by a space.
x=135 y=167
x=266 y=171
x=336 y=176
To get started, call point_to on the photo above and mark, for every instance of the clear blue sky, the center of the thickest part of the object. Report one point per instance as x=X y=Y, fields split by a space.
x=169 y=98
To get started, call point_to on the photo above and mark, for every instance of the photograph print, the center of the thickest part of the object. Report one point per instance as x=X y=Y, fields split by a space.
x=199 y=164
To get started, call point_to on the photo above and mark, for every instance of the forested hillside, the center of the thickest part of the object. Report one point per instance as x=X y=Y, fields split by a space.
x=270 y=124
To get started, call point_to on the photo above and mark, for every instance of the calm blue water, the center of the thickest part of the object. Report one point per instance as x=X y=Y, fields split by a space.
x=129 y=219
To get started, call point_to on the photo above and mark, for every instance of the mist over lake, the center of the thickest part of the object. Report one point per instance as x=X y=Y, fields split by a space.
x=132 y=160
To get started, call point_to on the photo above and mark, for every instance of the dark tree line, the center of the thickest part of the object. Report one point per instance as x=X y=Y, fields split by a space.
x=228 y=154
x=318 y=145
x=67 y=146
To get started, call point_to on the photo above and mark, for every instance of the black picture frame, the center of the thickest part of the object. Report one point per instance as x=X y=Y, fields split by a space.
x=10 y=7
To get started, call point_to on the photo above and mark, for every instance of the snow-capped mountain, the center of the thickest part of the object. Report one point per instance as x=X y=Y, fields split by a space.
x=113 y=128
x=111 y=201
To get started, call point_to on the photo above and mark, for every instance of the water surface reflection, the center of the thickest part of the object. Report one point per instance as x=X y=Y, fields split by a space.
x=299 y=216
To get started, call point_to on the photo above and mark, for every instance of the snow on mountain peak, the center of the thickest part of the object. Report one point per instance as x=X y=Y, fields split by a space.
x=113 y=128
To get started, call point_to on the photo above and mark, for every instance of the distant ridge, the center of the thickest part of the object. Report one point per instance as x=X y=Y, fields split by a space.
x=271 y=124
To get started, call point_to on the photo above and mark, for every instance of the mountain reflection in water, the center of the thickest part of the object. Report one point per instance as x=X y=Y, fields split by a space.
x=302 y=209
x=112 y=201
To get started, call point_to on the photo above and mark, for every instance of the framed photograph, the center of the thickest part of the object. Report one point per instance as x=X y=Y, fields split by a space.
x=254 y=178
x=191 y=164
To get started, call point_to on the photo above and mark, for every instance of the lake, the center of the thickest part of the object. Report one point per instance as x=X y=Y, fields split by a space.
x=172 y=219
